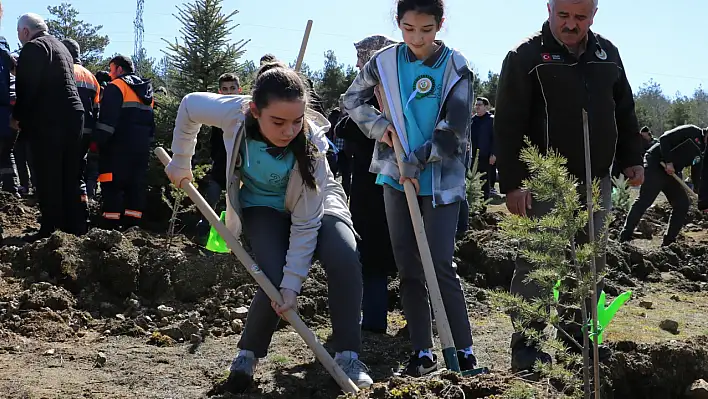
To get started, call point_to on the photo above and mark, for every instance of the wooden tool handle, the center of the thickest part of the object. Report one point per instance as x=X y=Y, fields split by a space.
x=303 y=46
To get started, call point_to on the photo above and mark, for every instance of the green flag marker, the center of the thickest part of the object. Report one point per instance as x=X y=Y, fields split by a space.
x=604 y=314
x=215 y=243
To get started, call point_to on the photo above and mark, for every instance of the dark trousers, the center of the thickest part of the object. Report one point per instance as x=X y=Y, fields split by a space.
x=24 y=162
x=8 y=178
x=656 y=180
x=89 y=168
x=56 y=151
x=344 y=167
x=440 y=227
x=268 y=231
x=123 y=189
x=530 y=290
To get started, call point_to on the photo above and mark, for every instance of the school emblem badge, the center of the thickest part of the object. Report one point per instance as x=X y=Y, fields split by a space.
x=601 y=54
x=424 y=85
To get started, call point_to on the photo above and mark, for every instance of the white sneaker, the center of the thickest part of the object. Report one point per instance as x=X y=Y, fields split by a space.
x=354 y=369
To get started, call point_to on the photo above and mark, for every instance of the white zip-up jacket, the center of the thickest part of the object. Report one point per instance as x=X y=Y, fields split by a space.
x=306 y=206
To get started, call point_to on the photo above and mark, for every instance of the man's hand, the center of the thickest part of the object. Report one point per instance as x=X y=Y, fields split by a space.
x=492 y=159
x=415 y=182
x=518 y=201
x=289 y=301
x=635 y=174
x=387 y=137
x=669 y=168
x=14 y=124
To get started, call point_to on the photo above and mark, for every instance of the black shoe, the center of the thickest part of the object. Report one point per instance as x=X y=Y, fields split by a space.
x=419 y=366
x=466 y=362
x=523 y=358
x=238 y=382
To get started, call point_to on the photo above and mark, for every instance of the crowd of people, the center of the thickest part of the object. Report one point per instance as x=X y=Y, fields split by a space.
x=69 y=130
x=276 y=157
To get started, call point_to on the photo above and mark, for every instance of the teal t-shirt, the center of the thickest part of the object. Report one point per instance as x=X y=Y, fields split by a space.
x=265 y=177
x=421 y=86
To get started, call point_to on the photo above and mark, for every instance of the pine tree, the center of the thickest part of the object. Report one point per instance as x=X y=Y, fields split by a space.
x=475 y=185
x=549 y=243
x=205 y=51
x=64 y=24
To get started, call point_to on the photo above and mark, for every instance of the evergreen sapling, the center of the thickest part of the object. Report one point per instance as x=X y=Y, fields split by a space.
x=560 y=262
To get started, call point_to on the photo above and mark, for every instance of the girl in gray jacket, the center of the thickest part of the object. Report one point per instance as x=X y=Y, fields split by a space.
x=428 y=87
x=280 y=189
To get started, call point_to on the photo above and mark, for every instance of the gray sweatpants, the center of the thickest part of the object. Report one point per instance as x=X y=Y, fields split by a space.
x=440 y=227
x=268 y=232
x=531 y=290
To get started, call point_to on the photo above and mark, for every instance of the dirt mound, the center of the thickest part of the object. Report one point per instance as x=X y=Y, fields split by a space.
x=656 y=371
x=447 y=385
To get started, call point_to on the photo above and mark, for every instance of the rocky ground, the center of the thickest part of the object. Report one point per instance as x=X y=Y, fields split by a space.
x=135 y=315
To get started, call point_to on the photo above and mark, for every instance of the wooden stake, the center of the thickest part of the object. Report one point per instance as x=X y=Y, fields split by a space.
x=303 y=46
x=591 y=240
x=291 y=316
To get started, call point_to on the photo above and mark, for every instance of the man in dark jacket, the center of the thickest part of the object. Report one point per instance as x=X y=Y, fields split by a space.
x=123 y=134
x=482 y=135
x=8 y=136
x=677 y=149
x=89 y=92
x=544 y=85
x=49 y=111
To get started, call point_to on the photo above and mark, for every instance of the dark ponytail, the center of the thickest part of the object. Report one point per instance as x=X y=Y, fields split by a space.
x=275 y=81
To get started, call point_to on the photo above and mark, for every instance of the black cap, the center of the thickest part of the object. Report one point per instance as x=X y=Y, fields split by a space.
x=73 y=47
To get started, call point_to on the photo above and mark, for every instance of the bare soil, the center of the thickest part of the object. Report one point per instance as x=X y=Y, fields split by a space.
x=115 y=315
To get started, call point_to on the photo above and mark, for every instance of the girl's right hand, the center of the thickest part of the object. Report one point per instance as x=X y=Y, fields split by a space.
x=388 y=135
x=178 y=174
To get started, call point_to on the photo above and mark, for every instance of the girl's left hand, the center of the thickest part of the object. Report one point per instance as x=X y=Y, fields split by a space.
x=415 y=182
x=289 y=301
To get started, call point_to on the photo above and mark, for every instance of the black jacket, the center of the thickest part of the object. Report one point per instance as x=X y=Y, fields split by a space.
x=482 y=135
x=542 y=91
x=681 y=146
x=46 y=88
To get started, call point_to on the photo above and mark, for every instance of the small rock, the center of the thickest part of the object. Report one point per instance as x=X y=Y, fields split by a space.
x=217 y=332
x=120 y=317
x=646 y=304
x=107 y=332
x=675 y=298
x=50 y=352
x=241 y=313
x=237 y=326
x=165 y=311
x=142 y=322
x=133 y=303
x=670 y=326
x=101 y=359
x=188 y=328
x=195 y=339
x=698 y=390
x=81 y=334
x=172 y=332
x=194 y=317
x=164 y=322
